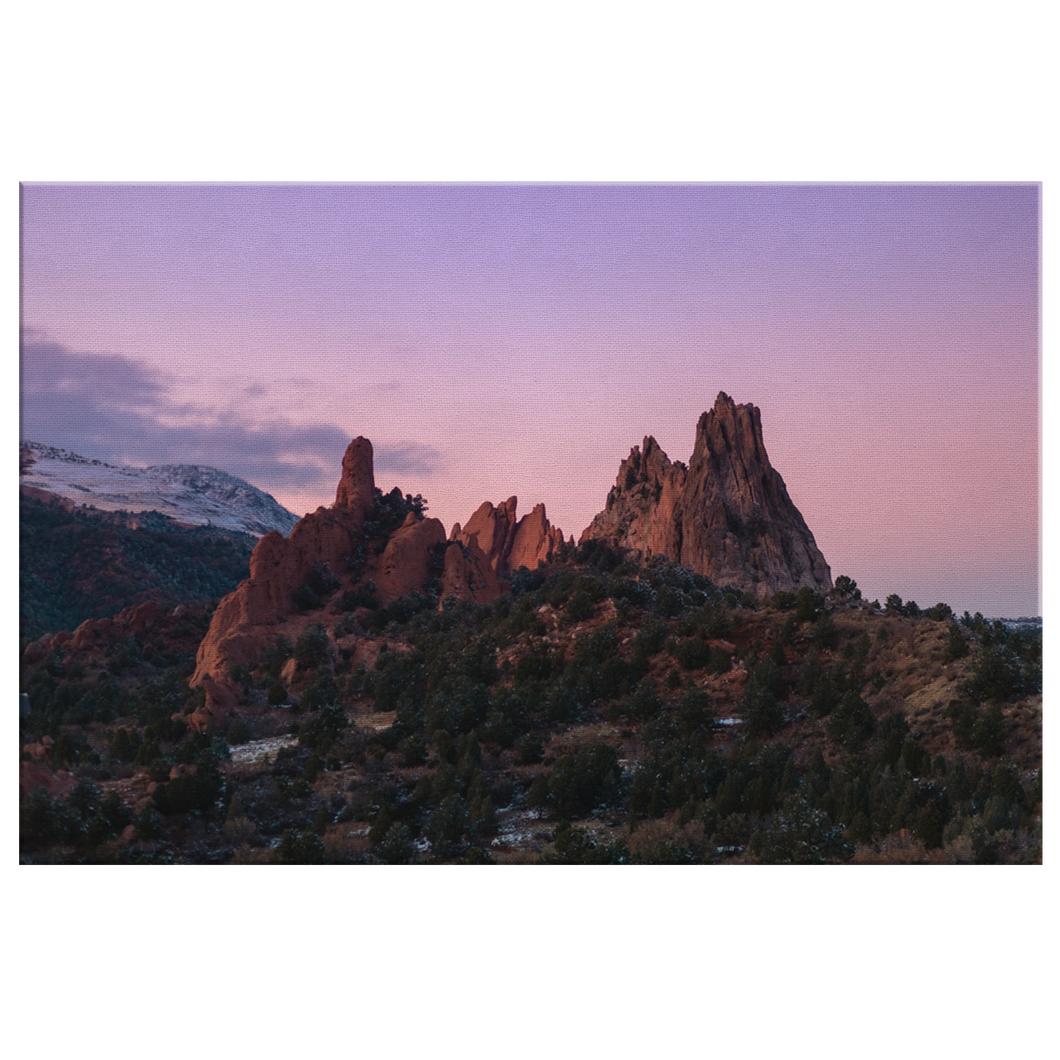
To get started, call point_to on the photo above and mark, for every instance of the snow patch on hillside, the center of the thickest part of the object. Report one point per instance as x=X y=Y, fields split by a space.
x=188 y=493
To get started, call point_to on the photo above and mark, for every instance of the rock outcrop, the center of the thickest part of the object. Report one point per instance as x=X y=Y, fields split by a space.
x=492 y=530
x=96 y=632
x=469 y=575
x=356 y=489
x=506 y=543
x=406 y=560
x=727 y=515
x=323 y=545
x=536 y=539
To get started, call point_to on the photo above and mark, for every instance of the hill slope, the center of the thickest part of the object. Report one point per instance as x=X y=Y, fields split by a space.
x=188 y=493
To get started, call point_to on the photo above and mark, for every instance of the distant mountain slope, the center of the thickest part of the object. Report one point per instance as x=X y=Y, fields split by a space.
x=197 y=496
x=75 y=563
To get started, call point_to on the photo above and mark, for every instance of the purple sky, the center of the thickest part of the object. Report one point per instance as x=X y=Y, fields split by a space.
x=520 y=339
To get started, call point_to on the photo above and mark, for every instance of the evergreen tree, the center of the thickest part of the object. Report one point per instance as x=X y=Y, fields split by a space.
x=800 y=835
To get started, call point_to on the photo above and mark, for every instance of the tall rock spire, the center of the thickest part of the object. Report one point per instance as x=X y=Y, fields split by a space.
x=356 y=489
x=727 y=515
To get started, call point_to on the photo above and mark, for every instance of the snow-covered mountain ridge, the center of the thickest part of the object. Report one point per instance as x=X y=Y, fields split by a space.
x=188 y=493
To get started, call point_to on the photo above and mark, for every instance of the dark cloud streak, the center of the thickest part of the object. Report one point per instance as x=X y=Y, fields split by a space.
x=120 y=410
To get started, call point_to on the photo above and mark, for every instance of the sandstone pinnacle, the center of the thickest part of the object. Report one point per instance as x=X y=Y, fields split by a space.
x=356 y=489
x=727 y=515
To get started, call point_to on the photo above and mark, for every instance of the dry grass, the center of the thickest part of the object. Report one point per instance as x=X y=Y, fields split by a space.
x=241 y=830
x=649 y=834
x=248 y=855
x=346 y=841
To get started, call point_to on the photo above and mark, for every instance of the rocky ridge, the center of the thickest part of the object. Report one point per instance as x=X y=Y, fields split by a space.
x=341 y=548
x=726 y=515
x=508 y=543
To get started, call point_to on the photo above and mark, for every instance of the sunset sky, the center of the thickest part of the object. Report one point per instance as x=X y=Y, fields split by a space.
x=519 y=339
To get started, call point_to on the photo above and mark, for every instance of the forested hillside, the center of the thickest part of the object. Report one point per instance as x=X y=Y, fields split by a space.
x=602 y=711
x=79 y=564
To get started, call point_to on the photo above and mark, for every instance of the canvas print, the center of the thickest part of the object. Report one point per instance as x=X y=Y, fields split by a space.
x=682 y=524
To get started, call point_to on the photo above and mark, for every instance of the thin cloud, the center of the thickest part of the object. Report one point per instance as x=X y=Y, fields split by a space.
x=411 y=457
x=120 y=410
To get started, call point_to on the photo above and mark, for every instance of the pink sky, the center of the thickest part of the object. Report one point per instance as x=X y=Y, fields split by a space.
x=520 y=339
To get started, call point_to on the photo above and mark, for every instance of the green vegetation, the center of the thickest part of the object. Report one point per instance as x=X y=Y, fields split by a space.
x=602 y=712
x=86 y=564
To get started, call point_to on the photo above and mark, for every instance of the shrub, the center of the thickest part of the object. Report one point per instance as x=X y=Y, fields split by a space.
x=191 y=791
x=760 y=709
x=800 y=835
x=277 y=694
x=321 y=581
x=321 y=691
x=851 y=721
x=694 y=712
x=692 y=654
x=322 y=730
x=299 y=848
x=123 y=745
x=580 y=781
x=311 y=647
x=66 y=750
x=475 y=855
x=808 y=605
x=988 y=732
x=304 y=599
x=43 y=820
x=529 y=749
x=396 y=847
x=238 y=732
x=579 y=607
x=275 y=655
x=363 y=596
x=956 y=646
x=824 y=632
x=448 y=821
x=413 y=750
x=574 y=846
x=846 y=588
x=651 y=637
x=996 y=676
x=719 y=661
x=809 y=673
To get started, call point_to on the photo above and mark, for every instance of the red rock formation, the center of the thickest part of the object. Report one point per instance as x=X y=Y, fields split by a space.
x=241 y=625
x=535 y=540
x=356 y=489
x=244 y=623
x=468 y=575
x=406 y=561
x=94 y=632
x=727 y=515
x=508 y=544
x=222 y=697
x=492 y=530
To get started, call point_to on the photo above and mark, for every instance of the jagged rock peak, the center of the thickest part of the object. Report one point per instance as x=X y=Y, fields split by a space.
x=727 y=427
x=508 y=543
x=645 y=463
x=727 y=515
